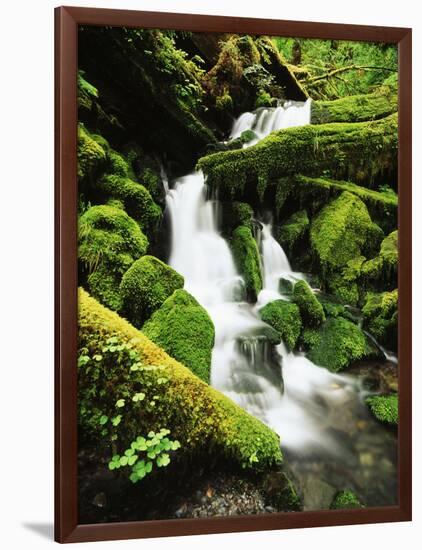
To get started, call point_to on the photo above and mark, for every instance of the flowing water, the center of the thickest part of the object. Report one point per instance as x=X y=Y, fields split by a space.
x=327 y=434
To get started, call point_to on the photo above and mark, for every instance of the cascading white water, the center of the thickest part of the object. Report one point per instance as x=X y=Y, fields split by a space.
x=265 y=121
x=298 y=399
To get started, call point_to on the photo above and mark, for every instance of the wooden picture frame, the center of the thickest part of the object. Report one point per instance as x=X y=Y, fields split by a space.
x=67 y=20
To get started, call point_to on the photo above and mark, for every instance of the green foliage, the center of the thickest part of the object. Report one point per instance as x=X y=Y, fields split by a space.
x=109 y=242
x=247 y=259
x=263 y=99
x=199 y=416
x=344 y=500
x=285 y=318
x=136 y=198
x=145 y=286
x=342 y=230
x=361 y=151
x=380 y=313
x=91 y=155
x=293 y=229
x=142 y=453
x=336 y=344
x=384 y=407
x=183 y=328
x=87 y=93
x=311 y=310
x=363 y=65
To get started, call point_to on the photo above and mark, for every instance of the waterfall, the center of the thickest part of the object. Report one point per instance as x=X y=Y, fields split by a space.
x=265 y=121
x=296 y=398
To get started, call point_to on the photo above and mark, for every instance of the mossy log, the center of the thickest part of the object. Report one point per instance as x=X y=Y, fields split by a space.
x=183 y=328
x=355 y=108
x=363 y=152
x=200 y=417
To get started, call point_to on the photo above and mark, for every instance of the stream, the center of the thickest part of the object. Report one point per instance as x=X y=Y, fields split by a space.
x=330 y=440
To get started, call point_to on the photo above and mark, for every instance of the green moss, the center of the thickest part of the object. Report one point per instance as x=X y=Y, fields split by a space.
x=109 y=242
x=342 y=230
x=382 y=270
x=137 y=200
x=234 y=214
x=336 y=344
x=355 y=108
x=285 y=318
x=247 y=259
x=200 y=417
x=91 y=156
x=311 y=310
x=384 y=407
x=316 y=192
x=146 y=286
x=380 y=315
x=362 y=152
x=183 y=328
x=263 y=99
x=344 y=500
x=293 y=229
x=118 y=165
x=332 y=305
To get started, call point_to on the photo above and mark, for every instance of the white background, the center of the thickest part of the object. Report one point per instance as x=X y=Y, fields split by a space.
x=26 y=303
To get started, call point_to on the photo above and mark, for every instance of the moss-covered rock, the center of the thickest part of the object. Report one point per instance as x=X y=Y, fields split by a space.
x=136 y=198
x=355 y=108
x=380 y=314
x=311 y=310
x=109 y=242
x=146 y=286
x=314 y=193
x=384 y=407
x=183 y=328
x=91 y=155
x=342 y=230
x=199 y=416
x=336 y=344
x=234 y=214
x=247 y=259
x=285 y=318
x=344 y=500
x=363 y=152
x=293 y=230
x=381 y=272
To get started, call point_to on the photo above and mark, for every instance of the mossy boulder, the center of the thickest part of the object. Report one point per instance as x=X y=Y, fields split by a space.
x=380 y=314
x=314 y=193
x=183 y=328
x=345 y=500
x=342 y=230
x=363 y=152
x=293 y=230
x=246 y=256
x=91 y=155
x=310 y=309
x=385 y=408
x=381 y=271
x=337 y=344
x=109 y=242
x=145 y=286
x=117 y=361
x=285 y=318
x=234 y=214
x=355 y=108
x=136 y=198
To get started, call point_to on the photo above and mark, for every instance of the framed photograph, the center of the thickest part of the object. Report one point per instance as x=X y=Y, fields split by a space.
x=233 y=274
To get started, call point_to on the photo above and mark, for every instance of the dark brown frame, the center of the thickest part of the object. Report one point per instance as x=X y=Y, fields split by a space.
x=67 y=20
